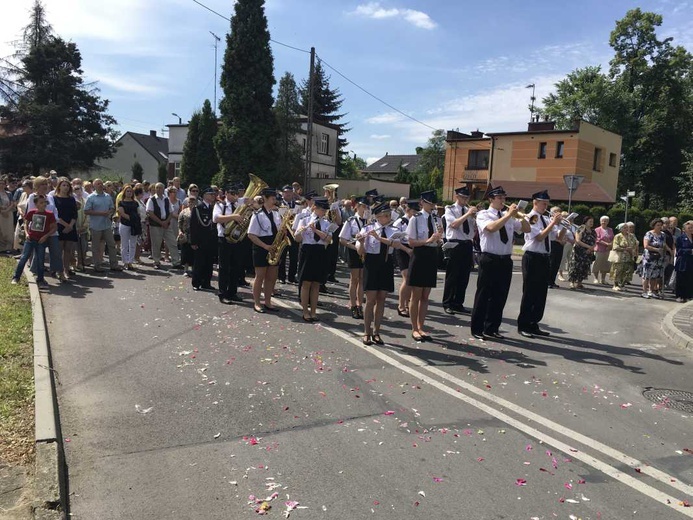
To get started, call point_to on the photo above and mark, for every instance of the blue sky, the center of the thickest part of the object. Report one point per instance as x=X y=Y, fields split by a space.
x=451 y=64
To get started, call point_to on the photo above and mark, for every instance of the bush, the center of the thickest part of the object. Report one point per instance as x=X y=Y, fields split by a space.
x=597 y=212
x=617 y=215
x=648 y=215
x=581 y=209
x=685 y=217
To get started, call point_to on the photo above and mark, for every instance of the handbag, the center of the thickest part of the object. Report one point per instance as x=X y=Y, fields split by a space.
x=614 y=256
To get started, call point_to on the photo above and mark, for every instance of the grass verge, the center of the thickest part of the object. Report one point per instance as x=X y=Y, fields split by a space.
x=16 y=370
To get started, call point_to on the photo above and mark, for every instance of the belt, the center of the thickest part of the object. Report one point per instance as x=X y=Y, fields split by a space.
x=537 y=254
x=459 y=241
x=492 y=255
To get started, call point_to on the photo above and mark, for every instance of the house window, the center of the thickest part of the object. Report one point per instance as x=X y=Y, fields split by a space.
x=478 y=160
x=559 y=150
x=612 y=159
x=176 y=169
x=324 y=144
x=542 y=150
x=597 y=162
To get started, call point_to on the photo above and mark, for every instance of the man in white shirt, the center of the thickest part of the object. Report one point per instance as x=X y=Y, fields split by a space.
x=536 y=265
x=495 y=264
x=460 y=229
x=230 y=265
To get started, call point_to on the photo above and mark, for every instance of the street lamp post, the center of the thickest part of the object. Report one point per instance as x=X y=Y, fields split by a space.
x=180 y=120
x=626 y=199
x=572 y=182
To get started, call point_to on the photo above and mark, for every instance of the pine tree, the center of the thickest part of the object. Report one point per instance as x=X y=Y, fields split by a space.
x=207 y=159
x=326 y=105
x=246 y=141
x=58 y=122
x=290 y=165
x=189 y=166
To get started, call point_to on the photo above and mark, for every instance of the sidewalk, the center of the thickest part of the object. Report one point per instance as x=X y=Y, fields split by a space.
x=678 y=325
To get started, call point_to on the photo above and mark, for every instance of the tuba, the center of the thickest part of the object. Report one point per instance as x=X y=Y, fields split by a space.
x=281 y=240
x=235 y=232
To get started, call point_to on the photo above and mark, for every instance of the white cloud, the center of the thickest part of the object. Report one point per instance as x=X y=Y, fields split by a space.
x=145 y=85
x=374 y=11
x=387 y=118
x=371 y=160
x=380 y=136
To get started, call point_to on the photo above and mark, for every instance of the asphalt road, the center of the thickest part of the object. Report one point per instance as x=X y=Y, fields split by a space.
x=175 y=406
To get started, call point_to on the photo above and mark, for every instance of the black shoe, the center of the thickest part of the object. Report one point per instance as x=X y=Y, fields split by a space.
x=282 y=281
x=462 y=309
x=235 y=298
x=539 y=332
x=243 y=284
x=449 y=310
x=355 y=312
x=331 y=279
x=207 y=287
x=177 y=266
x=224 y=300
x=525 y=333
x=377 y=339
x=196 y=287
x=360 y=311
x=554 y=286
x=496 y=335
x=325 y=290
x=259 y=310
x=479 y=336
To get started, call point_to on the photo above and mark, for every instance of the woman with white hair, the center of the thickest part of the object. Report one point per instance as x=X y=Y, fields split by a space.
x=605 y=238
x=622 y=256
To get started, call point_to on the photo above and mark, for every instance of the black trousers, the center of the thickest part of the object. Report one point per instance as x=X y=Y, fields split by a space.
x=492 y=288
x=245 y=252
x=203 y=265
x=230 y=267
x=333 y=255
x=535 y=286
x=457 y=274
x=556 y=257
x=292 y=252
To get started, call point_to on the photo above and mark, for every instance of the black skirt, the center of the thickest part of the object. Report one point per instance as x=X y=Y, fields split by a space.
x=378 y=273
x=260 y=254
x=402 y=259
x=313 y=265
x=423 y=269
x=354 y=260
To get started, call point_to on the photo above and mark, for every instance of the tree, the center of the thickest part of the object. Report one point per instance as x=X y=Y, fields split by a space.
x=162 y=173
x=247 y=138
x=352 y=167
x=200 y=162
x=647 y=97
x=55 y=121
x=327 y=103
x=290 y=165
x=137 y=171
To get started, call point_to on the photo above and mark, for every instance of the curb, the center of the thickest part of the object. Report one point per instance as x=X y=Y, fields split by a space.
x=680 y=338
x=50 y=484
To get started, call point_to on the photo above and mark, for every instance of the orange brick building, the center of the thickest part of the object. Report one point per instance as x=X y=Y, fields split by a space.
x=527 y=162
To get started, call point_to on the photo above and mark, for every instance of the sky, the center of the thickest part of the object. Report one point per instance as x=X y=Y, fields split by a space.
x=450 y=64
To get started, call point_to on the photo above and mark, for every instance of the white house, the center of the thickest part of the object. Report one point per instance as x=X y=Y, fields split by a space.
x=149 y=150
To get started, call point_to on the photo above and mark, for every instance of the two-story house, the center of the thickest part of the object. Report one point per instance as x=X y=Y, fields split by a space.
x=527 y=162
x=149 y=150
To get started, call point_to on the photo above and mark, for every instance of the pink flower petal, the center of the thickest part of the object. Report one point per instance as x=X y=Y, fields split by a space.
x=520 y=482
x=568 y=485
x=389 y=412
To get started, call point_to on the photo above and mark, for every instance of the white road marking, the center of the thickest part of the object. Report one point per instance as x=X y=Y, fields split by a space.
x=597 y=464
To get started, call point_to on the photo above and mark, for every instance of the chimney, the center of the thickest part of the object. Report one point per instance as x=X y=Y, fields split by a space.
x=538 y=126
x=476 y=134
x=152 y=133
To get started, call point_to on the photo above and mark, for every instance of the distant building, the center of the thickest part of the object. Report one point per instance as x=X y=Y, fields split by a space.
x=324 y=153
x=527 y=162
x=387 y=167
x=149 y=150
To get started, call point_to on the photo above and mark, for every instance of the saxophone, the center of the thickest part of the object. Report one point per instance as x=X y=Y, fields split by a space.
x=281 y=240
x=235 y=232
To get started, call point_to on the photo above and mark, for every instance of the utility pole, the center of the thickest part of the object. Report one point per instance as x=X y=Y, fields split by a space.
x=309 y=129
x=216 y=42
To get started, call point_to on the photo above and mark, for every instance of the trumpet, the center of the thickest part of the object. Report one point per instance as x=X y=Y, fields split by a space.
x=520 y=205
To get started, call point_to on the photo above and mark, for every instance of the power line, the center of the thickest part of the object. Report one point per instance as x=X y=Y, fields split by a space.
x=377 y=98
x=331 y=67
x=229 y=20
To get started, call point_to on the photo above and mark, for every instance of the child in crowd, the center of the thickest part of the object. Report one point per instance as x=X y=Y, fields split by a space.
x=39 y=225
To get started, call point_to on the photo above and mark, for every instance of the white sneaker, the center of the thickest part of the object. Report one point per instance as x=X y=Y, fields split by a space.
x=595 y=281
x=14 y=281
x=647 y=295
